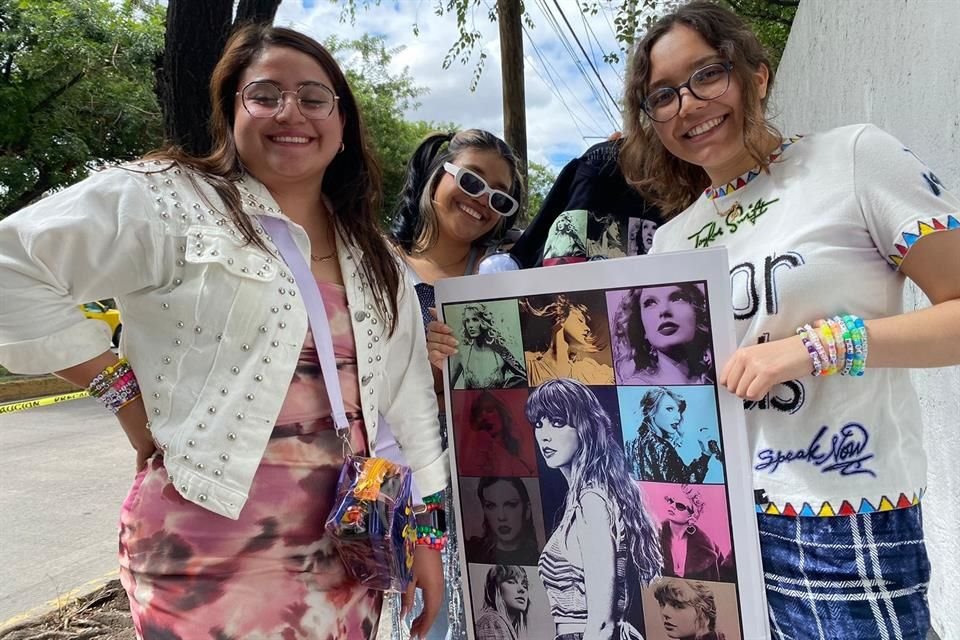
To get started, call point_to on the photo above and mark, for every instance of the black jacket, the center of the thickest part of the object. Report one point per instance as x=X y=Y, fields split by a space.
x=592 y=182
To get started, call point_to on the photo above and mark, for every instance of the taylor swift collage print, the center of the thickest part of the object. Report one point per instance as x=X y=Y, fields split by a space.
x=590 y=465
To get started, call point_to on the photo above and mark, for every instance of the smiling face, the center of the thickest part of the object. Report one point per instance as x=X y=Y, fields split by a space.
x=669 y=318
x=287 y=148
x=706 y=133
x=514 y=590
x=559 y=442
x=679 y=621
x=460 y=217
x=505 y=513
x=667 y=417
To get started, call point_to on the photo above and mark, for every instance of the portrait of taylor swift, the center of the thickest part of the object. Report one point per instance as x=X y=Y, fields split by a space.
x=676 y=609
x=566 y=336
x=503 y=529
x=662 y=335
x=491 y=435
x=484 y=361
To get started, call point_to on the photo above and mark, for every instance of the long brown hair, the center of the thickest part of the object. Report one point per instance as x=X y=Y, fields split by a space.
x=352 y=182
x=672 y=183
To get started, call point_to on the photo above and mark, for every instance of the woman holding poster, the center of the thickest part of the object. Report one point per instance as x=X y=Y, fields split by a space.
x=606 y=543
x=829 y=226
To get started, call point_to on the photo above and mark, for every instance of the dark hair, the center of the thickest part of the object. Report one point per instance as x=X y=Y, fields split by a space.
x=600 y=463
x=631 y=337
x=682 y=594
x=414 y=226
x=528 y=532
x=351 y=182
x=487 y=399
x=673 y=183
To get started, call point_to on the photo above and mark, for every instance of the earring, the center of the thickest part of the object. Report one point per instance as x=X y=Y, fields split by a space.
x=342 y=147
x=691 y=528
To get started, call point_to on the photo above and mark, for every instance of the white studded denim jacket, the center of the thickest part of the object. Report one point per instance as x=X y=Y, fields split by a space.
x=212 y=327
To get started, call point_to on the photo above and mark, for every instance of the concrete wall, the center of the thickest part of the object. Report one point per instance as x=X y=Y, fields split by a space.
x=895 y=63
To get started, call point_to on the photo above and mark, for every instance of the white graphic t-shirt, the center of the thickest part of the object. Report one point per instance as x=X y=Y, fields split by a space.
x=824 y=234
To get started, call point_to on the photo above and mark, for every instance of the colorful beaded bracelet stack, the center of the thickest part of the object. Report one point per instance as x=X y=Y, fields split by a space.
x=116 y=386
x=431 y=537
x=824 y=342
x=432 y=522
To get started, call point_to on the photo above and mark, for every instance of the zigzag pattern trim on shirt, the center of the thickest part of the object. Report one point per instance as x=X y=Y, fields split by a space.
x=924 y=228
x=746 y=178
x=846 y=508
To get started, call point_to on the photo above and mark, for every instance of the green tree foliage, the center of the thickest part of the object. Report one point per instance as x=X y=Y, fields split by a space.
x=539 y=180
x=76 y=85
x=770 y=19
x=383 y=98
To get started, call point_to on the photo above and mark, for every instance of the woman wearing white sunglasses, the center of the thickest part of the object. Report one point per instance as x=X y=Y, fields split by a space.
x=463 y=191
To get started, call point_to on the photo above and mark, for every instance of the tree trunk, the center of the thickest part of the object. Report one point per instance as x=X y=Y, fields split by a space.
x=195 y=36
x=256 y=11
x=511 y=71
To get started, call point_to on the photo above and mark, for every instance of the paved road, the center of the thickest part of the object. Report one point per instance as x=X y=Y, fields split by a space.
x=64 y=471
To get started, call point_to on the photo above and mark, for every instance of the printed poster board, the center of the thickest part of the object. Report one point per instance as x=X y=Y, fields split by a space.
x=601 y=479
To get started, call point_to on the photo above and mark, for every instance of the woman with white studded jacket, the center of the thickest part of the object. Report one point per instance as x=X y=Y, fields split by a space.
x=237 y=457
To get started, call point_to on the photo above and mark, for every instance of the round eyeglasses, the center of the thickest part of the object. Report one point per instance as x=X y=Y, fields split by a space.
x=263 y=99
x=707 y=83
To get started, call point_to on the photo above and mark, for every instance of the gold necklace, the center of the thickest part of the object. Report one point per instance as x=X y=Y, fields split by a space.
x=316 y=258
x=444 y=267
x=332 y=238
x=725 y=213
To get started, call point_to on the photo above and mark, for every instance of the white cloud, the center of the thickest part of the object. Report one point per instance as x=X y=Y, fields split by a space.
x=553 y=134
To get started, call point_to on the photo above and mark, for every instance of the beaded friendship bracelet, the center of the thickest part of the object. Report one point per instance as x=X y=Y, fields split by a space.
x=116 y=386
x=432 y=522
x=811 y=351
x=823 y=345
x=826 y=337
x=431 y=537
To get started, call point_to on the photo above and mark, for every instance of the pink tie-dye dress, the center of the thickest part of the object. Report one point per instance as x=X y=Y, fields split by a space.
x=272 y=574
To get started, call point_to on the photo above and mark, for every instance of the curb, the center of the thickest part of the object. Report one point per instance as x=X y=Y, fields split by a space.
x=59 y=602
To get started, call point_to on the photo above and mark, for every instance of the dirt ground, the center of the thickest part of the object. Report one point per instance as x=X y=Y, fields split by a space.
x=102 y=615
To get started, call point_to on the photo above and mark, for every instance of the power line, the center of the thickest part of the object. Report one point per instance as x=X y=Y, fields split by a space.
x=565 y=42
x=590 y=62
x=590 y=32
x=552 y=85
x=606 y=19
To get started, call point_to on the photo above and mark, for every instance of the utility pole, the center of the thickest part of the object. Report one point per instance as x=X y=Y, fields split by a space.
x=511 y=72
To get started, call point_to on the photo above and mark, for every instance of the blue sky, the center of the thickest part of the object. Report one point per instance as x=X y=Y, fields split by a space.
x=565 y=113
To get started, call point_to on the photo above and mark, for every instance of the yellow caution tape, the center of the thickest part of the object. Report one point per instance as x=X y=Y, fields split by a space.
x=13 y=407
